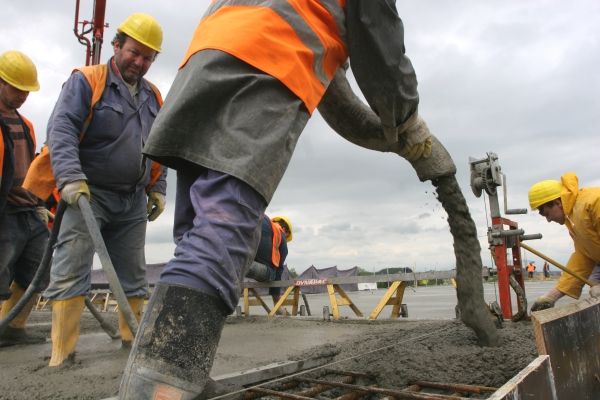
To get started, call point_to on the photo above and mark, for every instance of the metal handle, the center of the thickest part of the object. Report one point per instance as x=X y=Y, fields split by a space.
x=556 y=263
x=107 y=265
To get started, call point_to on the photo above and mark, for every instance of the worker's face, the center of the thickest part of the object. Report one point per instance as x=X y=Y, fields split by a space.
x=553 y=212
x=133 y=59
x=11 y=98
x=286 y=230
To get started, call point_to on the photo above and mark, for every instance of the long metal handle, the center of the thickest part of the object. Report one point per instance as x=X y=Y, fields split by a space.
x=557 y=264
x=107 y=265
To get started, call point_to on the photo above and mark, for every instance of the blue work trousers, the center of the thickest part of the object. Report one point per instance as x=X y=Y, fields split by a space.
x=23 y=238
x=217 y=229
x=122 y=219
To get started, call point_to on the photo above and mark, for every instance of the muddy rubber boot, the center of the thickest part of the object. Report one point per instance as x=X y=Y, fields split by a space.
x=137 y=305
x=66 y=315
x=174 y=348
x=15 y=332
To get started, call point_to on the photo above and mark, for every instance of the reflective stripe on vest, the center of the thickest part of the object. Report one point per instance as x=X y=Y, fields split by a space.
x=299 y=42
x=277 y=235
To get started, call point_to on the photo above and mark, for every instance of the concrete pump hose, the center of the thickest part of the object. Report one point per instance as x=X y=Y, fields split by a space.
x=352 y=119
x=33 y=287
x=107 y=266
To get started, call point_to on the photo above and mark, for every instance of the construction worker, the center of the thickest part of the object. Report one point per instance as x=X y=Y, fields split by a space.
x=272 y=251
x=23 y=219
x=253 y=74
x=530 y=269
x=578 y=209
x=103 y=161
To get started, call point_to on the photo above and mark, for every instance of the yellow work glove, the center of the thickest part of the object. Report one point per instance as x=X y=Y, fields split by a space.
x=542 y=303
x=156 y=205
x=595 y=291
x=44 y=214
x=415 y=139
x=73 y=190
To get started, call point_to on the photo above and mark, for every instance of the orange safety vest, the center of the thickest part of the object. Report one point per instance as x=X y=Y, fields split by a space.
x=530 y=267
x=278 y=233
x=299 y=42
x=40 y=178
x=31 y=133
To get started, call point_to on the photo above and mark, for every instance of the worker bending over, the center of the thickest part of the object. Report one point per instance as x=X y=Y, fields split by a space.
x=102 y=160
x=254 y=72
x=578 y=209
x=272 y=251
x=23 y=218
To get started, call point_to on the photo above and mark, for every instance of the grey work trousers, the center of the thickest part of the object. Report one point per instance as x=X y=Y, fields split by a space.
x=122 y=219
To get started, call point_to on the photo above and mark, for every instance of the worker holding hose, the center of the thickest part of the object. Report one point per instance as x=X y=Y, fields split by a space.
x=23 y=217
x=253 y=74
x=95 y=136
x=578 y=209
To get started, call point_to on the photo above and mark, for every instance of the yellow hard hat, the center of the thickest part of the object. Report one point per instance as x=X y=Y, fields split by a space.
x=19 y=71
x=144 y=28
x=543 y=192
x=287 y=222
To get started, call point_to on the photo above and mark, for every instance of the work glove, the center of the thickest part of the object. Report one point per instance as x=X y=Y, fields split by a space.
x=542 y=303
x=595 y=291
x=44 y=214
x=415 y=139
x=156 y=205
x=73 y=190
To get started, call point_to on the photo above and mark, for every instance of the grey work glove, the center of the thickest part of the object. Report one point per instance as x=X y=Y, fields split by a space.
x=595 y=291
x=73 y=190
x=543 y=303
x=414 y=137
x=156 y=205
x=44 y=214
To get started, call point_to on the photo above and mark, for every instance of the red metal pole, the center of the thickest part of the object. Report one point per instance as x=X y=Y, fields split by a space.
x=503 y=273
x=98 y=29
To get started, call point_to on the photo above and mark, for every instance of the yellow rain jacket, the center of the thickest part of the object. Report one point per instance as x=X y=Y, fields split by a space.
x=582 y=218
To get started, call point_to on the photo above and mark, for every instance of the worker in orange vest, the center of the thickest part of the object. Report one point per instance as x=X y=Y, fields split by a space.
x=95 y=136
x=23 y=218
x=253 y=73
x=530 y=269
x=271 y=253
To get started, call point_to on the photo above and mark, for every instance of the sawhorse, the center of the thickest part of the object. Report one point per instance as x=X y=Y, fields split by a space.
x=392 y=297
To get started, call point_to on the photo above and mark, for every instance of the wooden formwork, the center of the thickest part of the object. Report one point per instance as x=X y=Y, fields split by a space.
x=535 y=381
x=570 y=335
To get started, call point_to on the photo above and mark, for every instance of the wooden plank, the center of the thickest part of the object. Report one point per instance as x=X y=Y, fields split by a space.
x=535 y=381
x=570 y=335
x=271 y=371
x=405 y=277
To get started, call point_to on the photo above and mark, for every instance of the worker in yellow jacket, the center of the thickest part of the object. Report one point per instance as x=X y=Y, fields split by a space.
x=578 y=209
x=254 y=72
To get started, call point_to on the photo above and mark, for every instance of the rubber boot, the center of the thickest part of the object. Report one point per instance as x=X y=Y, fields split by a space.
x=66 y=315
x=174 y=348
x=137 y=305
x=15 y=332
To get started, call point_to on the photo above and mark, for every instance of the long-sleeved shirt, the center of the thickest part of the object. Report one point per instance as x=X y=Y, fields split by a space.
x=110 y=153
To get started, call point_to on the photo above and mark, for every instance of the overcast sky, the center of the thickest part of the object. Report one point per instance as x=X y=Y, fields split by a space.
x=516 y=78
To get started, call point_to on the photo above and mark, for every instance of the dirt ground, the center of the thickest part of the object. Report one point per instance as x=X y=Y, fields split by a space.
x=396 y=352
